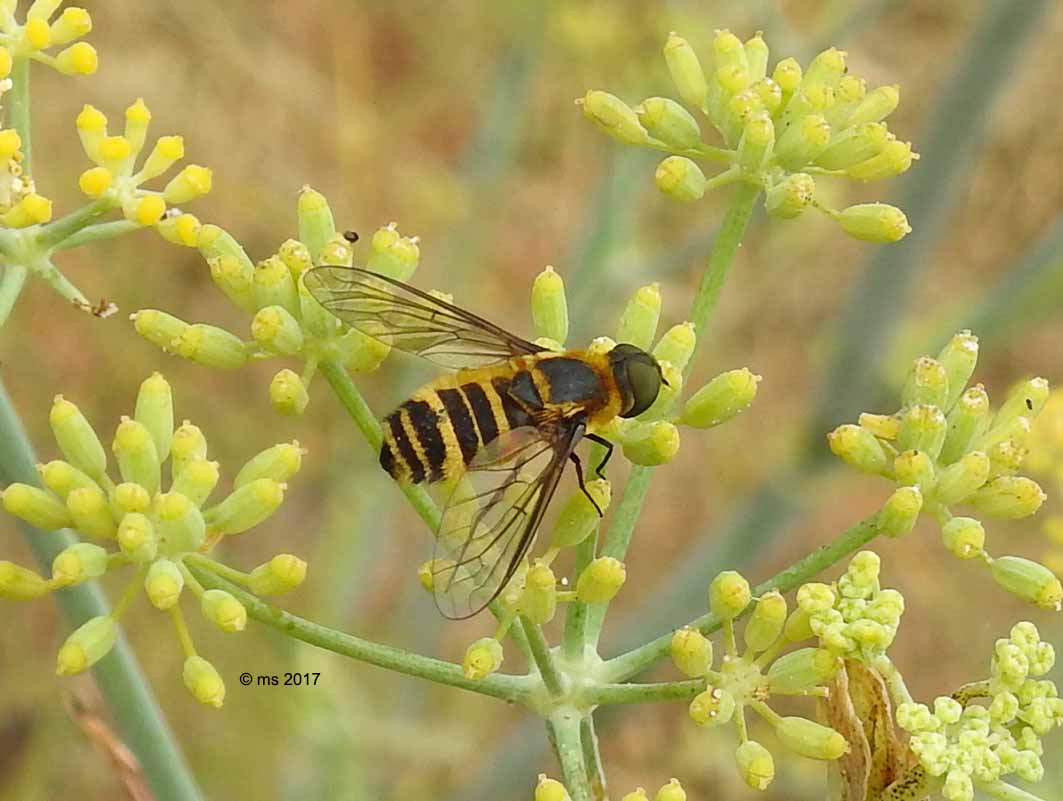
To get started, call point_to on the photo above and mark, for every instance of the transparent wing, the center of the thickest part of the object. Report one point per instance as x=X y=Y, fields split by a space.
x=491 y=518
x=411 y=320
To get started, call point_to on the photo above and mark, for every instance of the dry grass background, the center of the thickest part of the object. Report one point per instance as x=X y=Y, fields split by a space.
x=456 y=119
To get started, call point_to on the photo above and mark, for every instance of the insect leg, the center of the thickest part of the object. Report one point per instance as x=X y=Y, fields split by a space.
x=583 y=487
x=608 y=452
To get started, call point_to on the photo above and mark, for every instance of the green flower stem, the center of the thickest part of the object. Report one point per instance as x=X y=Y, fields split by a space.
x=1007 y=792
x=592 y=759
x=52 y=276
x=55 y=232
x=508 y=688
x=18 y=108
x=605 y=694
x=140 y=721
x=97 y=233
x=564 y=726
x=575 y=637
x=623 y=667
x=544 y=660
x=700 y=152
x=11 y=282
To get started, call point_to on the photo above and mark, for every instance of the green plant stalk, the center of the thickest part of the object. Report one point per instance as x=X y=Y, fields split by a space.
x=508 y=688
x=623 y=667
x=18 y=109
x=592 y=759
x=544 y=660
x=607 y=694
x=54 y=233
x=574 y=640
x=1006 y=792
x=564 y=727
x=11 y=282
x=140 y=721
x=98 y=233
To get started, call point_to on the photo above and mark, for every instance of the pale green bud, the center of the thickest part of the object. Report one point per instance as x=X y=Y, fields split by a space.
x=755 y=765
x=769 y=94
x=826 y=69
x=77 y=563
x=680 y=178
x=89 y=643
x=1026 y=399
x=650 y=443
x=758 y=137
x=280 y=463
x=801 y=670
x=691 y=652
x=138 y=458
x=601 y=580
x=959 y=358
x=859 y=448
x=37 y=507
x=129 y=497
x=197 y=480
x=808 y=100
x=914 y=468
x=362 y=353
x=214 y=242
x=686 y=71
x=246 y=507
x=927 y=383
x=894 y=158
x=878 y=104
x=550 y=790
x=874 y=222
x=798 y=626
x=338 y=252
x=90 y=512
x=727 y=50
x=790 y=196
x=614 y=117
x=76 y=438
x=164 y=583
x=549 y=307
x=722 y=398
x=669 y=122
x=181 y=527
x=729 y=595
x=676 y=346
x=802 y=142
x=898 y=515
x=482 y=658
x=136 y=537
x=964 y=537
x=154 y=410
x=712 y=707
x=673 y=791
x=188 y=444
x=766 y=623
x=923 y=428
x=223 y=610
x=960 y=479
x=18 y=583
x=787 y=74
x=811 y=739
x=815 y=597
x=853 y=145
x=287 y=393
x=62 y=477
x=283 y=573
x=234 y=277
x=966 y=420
x=756 y=56
x=394 y=255
x=848 y=94
x=538 y=602
x=273 y=327
x=638 y=794
x=578 y=518
x=211 y=346
x=316 y=226
x=274 y=286
x=1031 y=581
x=296 y=256
x=203 y=681
x=1010 y=497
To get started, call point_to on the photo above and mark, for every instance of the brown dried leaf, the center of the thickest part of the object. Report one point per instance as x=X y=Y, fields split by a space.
x=849 y=774
x=890 y=756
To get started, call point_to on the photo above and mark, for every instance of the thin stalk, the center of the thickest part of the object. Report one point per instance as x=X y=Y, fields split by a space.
x=564 y=726
x=575 y=638
x=11 y=282
x=98 y=233
x=626 y=665
x=1007 y=792
x=592 y=759
x=18 y=108
x=65 y=227
x=604 y=694
x=544 y=660
x=508 y=688
x=140 y=721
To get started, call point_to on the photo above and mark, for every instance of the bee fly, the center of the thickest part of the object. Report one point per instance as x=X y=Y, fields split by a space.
x=508 y=419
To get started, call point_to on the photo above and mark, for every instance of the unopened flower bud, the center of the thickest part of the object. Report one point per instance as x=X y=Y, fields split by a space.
x=87 y=645
x=223 y=610
x=712 y=707
x=77 y=563
x=211 y=346
x=280 y=463
x=188 y=444
x=923 y=428
x=203 y=681
x=898 y=515
x=756 y=56
x=859 y=448
x=960 y=479
x=1009 y=497
x=758 y=137
x=681 y=179
x=196 y=480
x=158 y=327
x=538 y=602
x=852 y=145
x=729 y=595
x=1026 y=399
x=801 y=670
x=811 y=739
x=136 y=537
x=651 y=443
x=766 y=623
x=614 y=117
x=549 y=307
x=673 y=791
x=94 y=181
x=789 y=197
x=235 y=277
x=878 y=104
x=638 y=794
x=914 y=468
x=798 y=626
x=894 y=159
x=283 y=573
x=316 y=226
x=37 y=507
x=676 y=345
x=78 y=59
x=550 y=790
x=1031 y=581
x=76 y=438
x=362 y=353
x=964 y=537
x=669 y=122
x=755 y=764
x=273 y=327
x=691 y=652
x=287 y=393
x=722 y=398
x=686 y=71
x=967 y=419
x=601 y=580
x=482 y=658
x=166 y=152
x=31 y=209
x=191 y=182
x=18 y=583
x=137 y=455
x=246 y=507
x=181 y=526
x=91 y=513
x=72 y=24
x=638 y=322
x=927 y=383
x=874 y=222
x=578 y=518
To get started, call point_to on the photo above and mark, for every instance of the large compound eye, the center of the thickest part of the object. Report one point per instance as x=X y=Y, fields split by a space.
x=644 y=377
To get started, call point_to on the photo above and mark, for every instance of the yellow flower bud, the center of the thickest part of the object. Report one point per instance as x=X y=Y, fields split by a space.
x=601 y=580
x=188 y=444
x=960 y=479
x=10 y=144
x=549 y=307
x=136 y=537
x=798 y=626
x=802 y=142
x=164 y=584
x=874 y=222
x=37 y=507
x=166 y=152
x=766 y=623
x=848 y=94
x=1026 y=399
x=72 y=24
x=296 y=256
x=138 y=458
x=964 y=537
x=154 y=410
x=78 y=59
x=90 y=512
x=756 y=56
x=362 y=353
x=923 y=428
x=755 y=765
x=652 y=443
x=894 y=158
x=673 y=791
x=279 y=463
x=181 y=527
x=959 y=358
x=680 y=179
x=811 y=739
x=316 y=226
x=898 y=515
x=927 y=383
x=758 y=137
x=1028 y=580
x=790 y=196
x=42 y=9
x=722 y=398
x=92 y=128
x=31 y=209
x=89 y=643
x=145 y=209
x=859 y=448
x=538 y=602
x=246 y=507
x=6 y=62
x=669 y=122
x=191 y=182
x=36 y=35
x=788 y=75
x=482 y=658
x=283 y=573
x=274 y=286
x=203 y=681
x=196 y=480
x=77 y=563
x=95 y=181
x=676 y=346
x=550 y=790
x=801 y=670
x=398 y=260
x=914 y=468
x=211 y=346
x=158 y=327
x=287 y=393
x=967 y=419
x=234 y=277
x=223 y=610
x=614 y=117
x=877 y=105
x=712 y=707
x=686 y=70
x=637 y=794
x=853 y=145
x=578 y=518
x=729 y=595
x=691 y=652
x=61 y=478
x=18 y=583
x=273 y=327
x=1010 y=497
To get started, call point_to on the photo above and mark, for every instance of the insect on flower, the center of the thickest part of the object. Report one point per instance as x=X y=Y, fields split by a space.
x=499 y=430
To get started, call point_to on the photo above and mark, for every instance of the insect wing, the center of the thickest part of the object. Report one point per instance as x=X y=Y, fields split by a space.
x=411 y=320
x=492 y=515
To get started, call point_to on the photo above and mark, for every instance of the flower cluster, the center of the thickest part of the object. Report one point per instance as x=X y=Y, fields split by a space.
x=967 y=746
x=779 y=130
x=945 y=446
x=747 y=678
x=157 y=531
x=286 y=321
x=549 y=789
x=41 y=33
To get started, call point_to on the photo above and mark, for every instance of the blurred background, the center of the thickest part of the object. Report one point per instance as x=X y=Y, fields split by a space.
x=457 y=121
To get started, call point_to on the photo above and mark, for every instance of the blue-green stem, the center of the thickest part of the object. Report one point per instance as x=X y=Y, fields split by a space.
x=592 y=759
x=55 y=233
x=12 y=280
x=98 y=232
x=18 y=108
x=544 y=659
x=136 y=712
x=508 y=688
x=604 y=694
x=564 y=728
x=574 y=641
